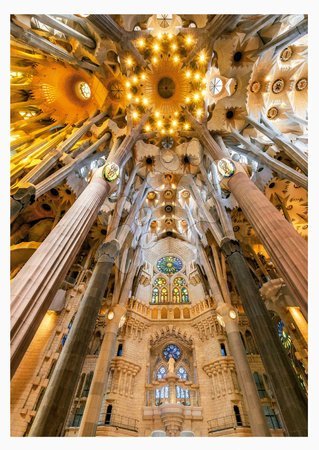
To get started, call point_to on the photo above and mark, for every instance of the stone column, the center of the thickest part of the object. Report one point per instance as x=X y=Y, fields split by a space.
x=57 y=399
x=33 y=289
x=247 y=384
x=61 y=174
x=94 y=401
x=291 y=400
x=23 y=192
x=37 y=282
x=256 y=416
x=45 y=46
x=286 y=248
x=107 y=25
x=288 y=147
x=66 y=29
x=280 y=168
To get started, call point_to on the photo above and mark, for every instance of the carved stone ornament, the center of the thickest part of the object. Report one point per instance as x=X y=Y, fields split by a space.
x=229 y=247
x=111 y=172
x=108 y=251
x=226 y=167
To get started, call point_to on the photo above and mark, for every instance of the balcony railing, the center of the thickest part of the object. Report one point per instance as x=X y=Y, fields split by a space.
x=126 y=423
x=227 y=422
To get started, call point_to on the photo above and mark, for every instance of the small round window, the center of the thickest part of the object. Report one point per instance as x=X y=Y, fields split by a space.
x=215 y=86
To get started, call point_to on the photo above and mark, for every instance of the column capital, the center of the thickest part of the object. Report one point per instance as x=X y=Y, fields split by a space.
x=115 y=318
x=107 y=251
x=230 y=246
x=228 y=316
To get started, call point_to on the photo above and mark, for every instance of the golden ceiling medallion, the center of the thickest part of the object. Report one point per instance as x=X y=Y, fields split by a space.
x=166 y=87
x=272 y=112
x=151 y=195
x=168 y=194
x=302 y=84
x=278 y=86
x=286 y=54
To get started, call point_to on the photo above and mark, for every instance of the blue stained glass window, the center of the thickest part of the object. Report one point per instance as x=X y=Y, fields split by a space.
x=182 y=393
x=171 y=350
x=162 y=392
x=169 y=265
x=179 y=281
x=161 y=373
x=182 y=374
x=185 y=298
x=284 y=336
x=155 y=295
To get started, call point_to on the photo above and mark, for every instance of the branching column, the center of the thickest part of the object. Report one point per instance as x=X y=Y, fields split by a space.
x=33 y=289
x=36 y=284
x=256 y=416
x=291 y=400
x=59 y=394
x=94 y=402
x=54 y=407
x=287 y=249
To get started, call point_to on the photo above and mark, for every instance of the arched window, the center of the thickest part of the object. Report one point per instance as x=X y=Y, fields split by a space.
x=108 y=415
x=119 y=350
x=186 y=313
x=87 y=384
x=182 y=394
x=250 y=343
x=160 y=292
x=223 y=351
x=161 y=394
x=163 y=313
x=78 y=416
x=180 y=291
x=238 y=416
x=161 y=373
x=260 y=385
x=181 y=373
x=164 y=295
x=272 y=419
x=176 y=295
x=184 y=292
x=155 y=296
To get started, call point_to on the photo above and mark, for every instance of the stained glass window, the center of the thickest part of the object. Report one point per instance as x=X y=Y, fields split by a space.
x=179 y=281
x=176 y=295
x=160 y=292
x=180 y=291
x=184 y=292
x=164 y=295
x=161 y=373
x=284 y=336
x=169 y=265
x=182 y=374
x=161 y=394
x=155 y=296
x=171 y=350
x=160 y=281
x=182 y=393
